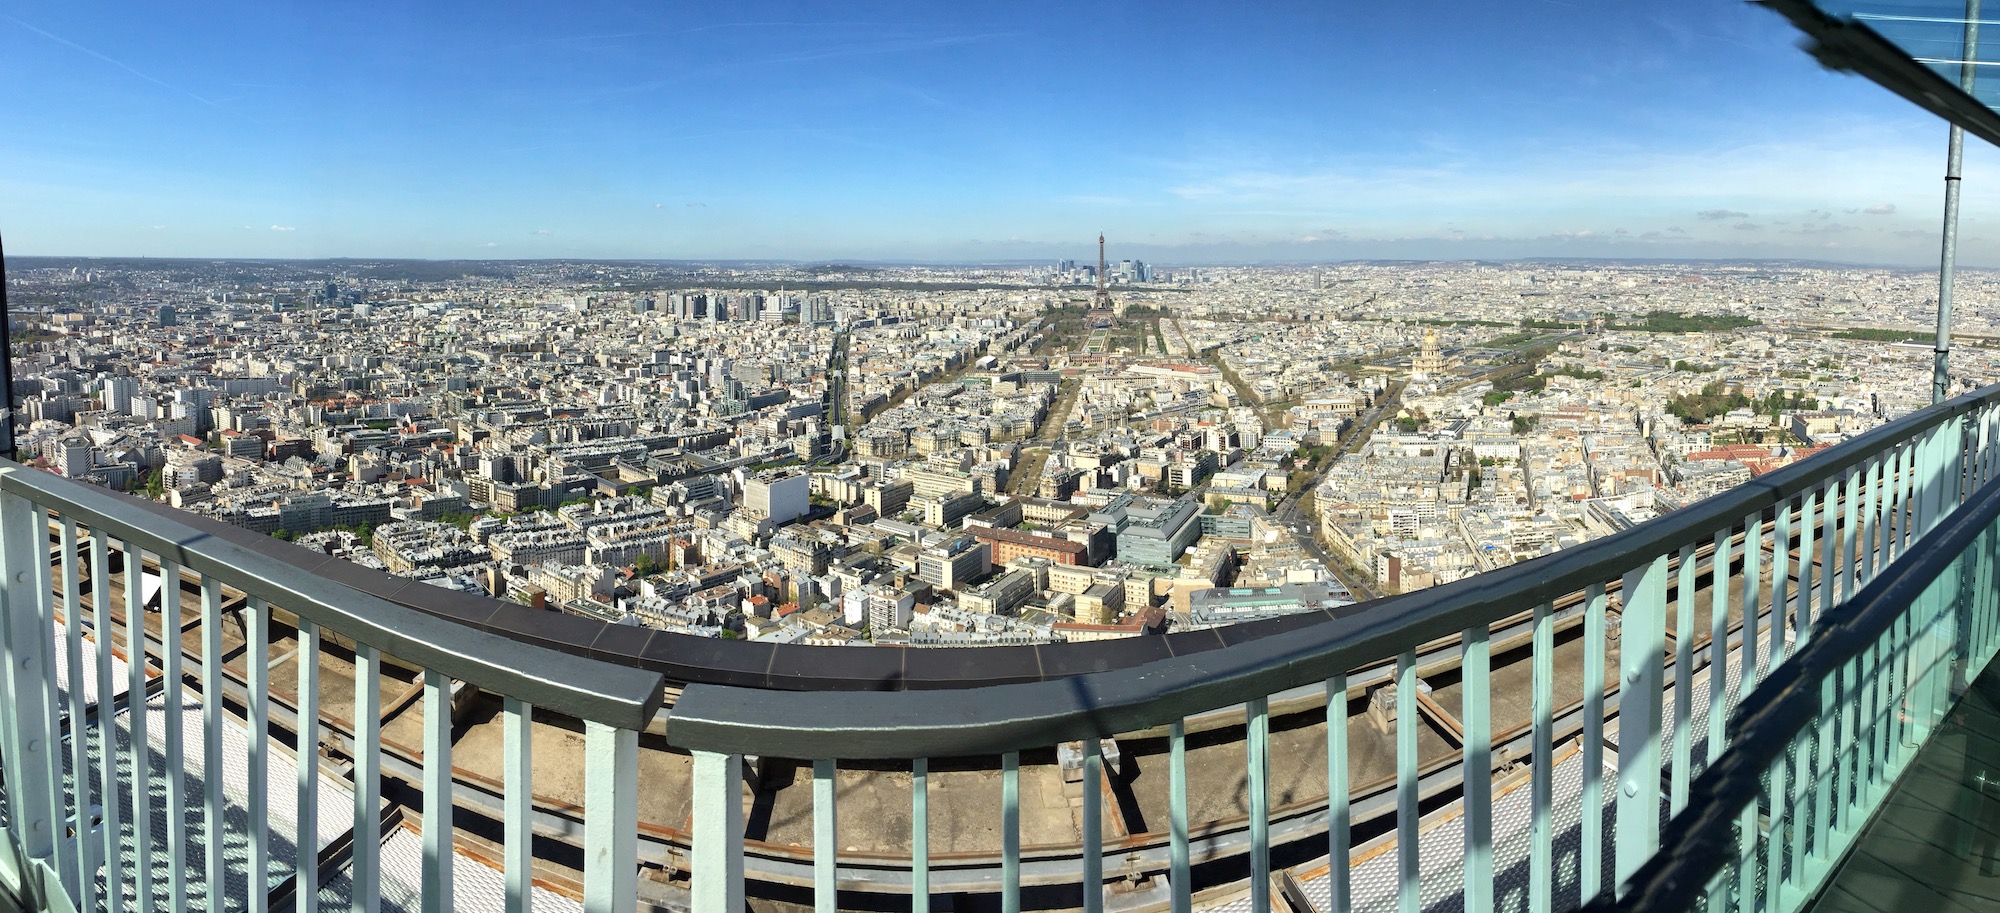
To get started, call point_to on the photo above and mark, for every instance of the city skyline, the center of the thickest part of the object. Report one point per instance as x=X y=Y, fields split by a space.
x=1548 y=131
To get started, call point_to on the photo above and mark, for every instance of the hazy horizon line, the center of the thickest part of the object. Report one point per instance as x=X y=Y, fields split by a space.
x=1008 y=261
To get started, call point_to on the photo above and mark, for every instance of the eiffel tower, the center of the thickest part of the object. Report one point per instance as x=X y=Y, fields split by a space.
x=1103 y=299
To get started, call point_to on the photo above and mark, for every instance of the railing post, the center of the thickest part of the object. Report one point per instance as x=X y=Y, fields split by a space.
x=611 y=818
x=1642 y=652
x=718 y=832
x=26 y=643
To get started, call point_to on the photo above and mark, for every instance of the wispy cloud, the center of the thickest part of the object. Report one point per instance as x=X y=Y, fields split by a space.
x=1713 y=215
x=1881 y=209
x=110 y=60
x=283 y=228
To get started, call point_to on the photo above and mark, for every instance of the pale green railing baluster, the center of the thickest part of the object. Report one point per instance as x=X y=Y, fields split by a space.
x=1257 y=718
x=1775 y=839
x=1093 y=825
x=610 y=818
x=1718 y=645
x=717 y=885
x=920 y=836
x=366 y=865
x=1873 y=506
x=1591 y=853
x=1683 y=740
x=1642 y=654
x=211 y=740
x=1541 y=846
x=517 y=802
x=826 y=838
x=1832 y=540
x=305 y=881
x=80 y=871
x=1782 y=596
x=1406 y=783
x=437 y=817
x=1823 y=782
x=116 y=863
x=1850 y=535
x=257 y=679
x=1475 y=716
x=1177 y=818
x=33 y=770
x=135 y=712
x=174 y=727
x=1010 y=832
x=1753 y=554
x=1339 y=829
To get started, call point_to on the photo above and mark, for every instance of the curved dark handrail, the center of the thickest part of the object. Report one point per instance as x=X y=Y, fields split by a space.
x=1011 y=717
x=1702 y=837
x=617 y=695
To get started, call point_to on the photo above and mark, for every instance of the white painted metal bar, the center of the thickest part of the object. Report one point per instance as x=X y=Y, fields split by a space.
x=1850 y=535
x=1541 y=845
x=920 y=835
x=437 y=889
x=1591 y=853
x=305 y=881
x=1093 y=827
x=257 y=802
x=1010 y=832
x=212 y=723
x=1753 y=552
x=80 y=863
x=173 y=695
x=136 y=717
x=1782 y=594
x=611 y=818
x=1339 y=829
x=1718 y=644
x=517 y=803
x=116 y=863
x=1683 y=741
x=1407 y=822
x=1257 y=714
x=1642 y=654
x=1477 y=763
x=826 y=838
x=33 y=771
x=717 y=886
x=1177 y=818
x=365 y=868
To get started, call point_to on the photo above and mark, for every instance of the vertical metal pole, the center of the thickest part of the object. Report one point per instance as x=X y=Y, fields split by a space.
x=25 y=647
x=1407 y=899
x=1258 y=731
x=306 y=871
x=1339 y=831
x=1947 y=261
x=1477 y=760
x=717 y=886
x=611 y=818
x=920 y=835
x=1177 y=819
x=517 y=802
x=826 y=837
x=1642 y=652
x=437 y=818
x=7 y=443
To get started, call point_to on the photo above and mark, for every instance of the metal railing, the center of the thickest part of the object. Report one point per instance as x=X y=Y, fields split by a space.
x=1680 y=614
x=65 y=851
x=1818 y=746
x=1825 y=526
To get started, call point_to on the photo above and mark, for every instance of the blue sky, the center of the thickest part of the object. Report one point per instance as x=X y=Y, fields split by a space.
x=1190 y=133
